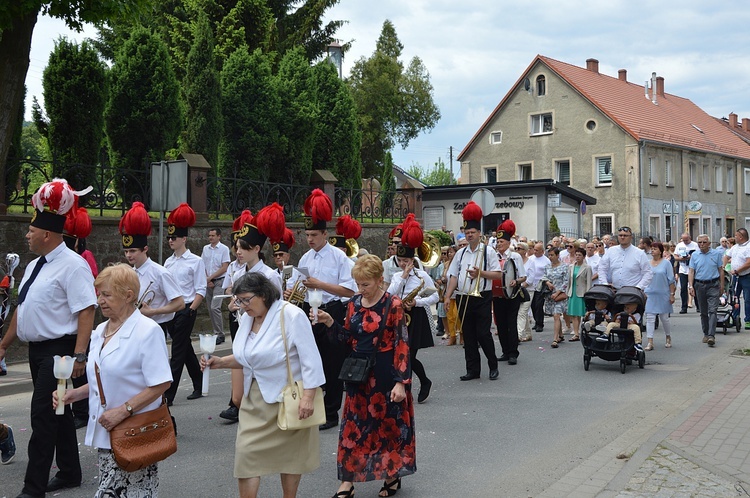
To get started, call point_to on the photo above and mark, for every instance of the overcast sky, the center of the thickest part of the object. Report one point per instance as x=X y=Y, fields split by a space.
x=475 y=50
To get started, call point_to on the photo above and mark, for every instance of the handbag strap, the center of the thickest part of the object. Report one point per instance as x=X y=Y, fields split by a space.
x=99 y=382
x=286 y=348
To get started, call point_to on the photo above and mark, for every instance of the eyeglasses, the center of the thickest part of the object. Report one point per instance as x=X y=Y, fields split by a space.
x=171 y=237
x=243 y=301
x=569 y=245
x=598 y=245
x=704 y=242
x=624 y=229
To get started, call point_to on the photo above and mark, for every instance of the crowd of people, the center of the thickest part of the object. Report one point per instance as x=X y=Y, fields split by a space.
x=311 y=322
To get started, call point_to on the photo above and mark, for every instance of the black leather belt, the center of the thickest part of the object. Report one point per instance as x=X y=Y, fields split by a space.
x=710 y=281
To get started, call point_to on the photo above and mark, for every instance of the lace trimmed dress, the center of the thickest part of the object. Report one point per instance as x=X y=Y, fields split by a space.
x=376 y=438
x=558 y=275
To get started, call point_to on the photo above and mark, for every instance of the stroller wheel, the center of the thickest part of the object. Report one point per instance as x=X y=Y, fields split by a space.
x=586 y=362
x=622 y=366
x=641 y=359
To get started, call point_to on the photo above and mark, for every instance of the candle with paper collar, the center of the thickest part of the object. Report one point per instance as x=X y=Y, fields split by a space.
x=208 y=346
x=62 y=370
x=315 y=298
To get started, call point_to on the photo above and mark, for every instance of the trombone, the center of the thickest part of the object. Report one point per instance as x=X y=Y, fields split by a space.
x=147 y=297
x=476 y=285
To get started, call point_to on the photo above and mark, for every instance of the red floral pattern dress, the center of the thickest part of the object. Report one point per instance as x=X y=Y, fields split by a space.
x=376 y=438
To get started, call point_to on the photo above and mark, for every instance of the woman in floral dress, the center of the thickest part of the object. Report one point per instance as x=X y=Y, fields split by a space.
x=376 y=438
x=556 y=279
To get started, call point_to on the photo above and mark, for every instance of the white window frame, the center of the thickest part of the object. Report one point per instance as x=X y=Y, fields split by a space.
x=657 y=233
x=597 y=172
x=485 y=170
x=496 y=137
x=652 y=177
x=706 y=226
x=597 y=223
x=668 y=176
x=706 y=177
x=719 y=178
x=521 y=166
x=538 y=119
x=557 y=171
x=746 y=176
x=692 y=172
x=730 y=179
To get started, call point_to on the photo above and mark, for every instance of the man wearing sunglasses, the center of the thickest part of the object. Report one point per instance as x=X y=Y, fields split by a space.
x=706 y=284
x=625 y=264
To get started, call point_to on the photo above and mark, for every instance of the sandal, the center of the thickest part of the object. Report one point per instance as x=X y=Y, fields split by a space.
x=574 y=338
x=345 y=494
x=392 y=488
x=554 y=344
x=669 y=342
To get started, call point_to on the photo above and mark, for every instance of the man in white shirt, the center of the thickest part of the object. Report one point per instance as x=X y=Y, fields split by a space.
x=682 y=253
x=215 y=256
x=534 y=274
x=625 y=265
x=739 y=256
x=190 y=275
x=592 y=259
x=506 y=308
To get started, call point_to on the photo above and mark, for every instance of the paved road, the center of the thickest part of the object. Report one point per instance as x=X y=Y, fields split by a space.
x=546 y=428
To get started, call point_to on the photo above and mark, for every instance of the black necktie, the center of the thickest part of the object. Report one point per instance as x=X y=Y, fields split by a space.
x=25 y=288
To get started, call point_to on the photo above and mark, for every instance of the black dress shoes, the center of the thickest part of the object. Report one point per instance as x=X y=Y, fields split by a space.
x=504 y=357
x=231 y=413
x=469 y=376
x=512 y=361
x=56 y=483
x=330 y=424
x=494 y=374
x=195 y=395
x=26 y=495
x=220 y=340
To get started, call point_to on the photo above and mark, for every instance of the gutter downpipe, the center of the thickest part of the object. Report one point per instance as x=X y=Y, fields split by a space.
x=640 y=182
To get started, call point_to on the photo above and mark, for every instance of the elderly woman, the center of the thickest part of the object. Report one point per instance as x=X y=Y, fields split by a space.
x=261 y=447
x=376 y=439
x=580 y=277
x=556 y=302
x=133 y=362
x=660 y=293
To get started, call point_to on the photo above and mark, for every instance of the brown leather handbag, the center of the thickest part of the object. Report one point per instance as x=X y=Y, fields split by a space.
x=143 y=439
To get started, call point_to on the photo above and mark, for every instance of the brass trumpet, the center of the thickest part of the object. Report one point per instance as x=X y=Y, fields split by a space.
x=147 y=297
x=297 y=297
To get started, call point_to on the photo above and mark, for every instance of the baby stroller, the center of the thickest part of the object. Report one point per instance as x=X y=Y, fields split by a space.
x=620 y=345
x=728 y=312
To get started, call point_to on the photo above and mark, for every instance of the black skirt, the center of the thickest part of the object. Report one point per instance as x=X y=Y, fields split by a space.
x=420 y=335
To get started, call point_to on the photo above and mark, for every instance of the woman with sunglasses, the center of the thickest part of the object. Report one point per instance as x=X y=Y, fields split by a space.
x=259 y=353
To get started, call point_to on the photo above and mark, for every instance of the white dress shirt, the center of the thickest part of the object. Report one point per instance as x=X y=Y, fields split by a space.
x=622 y=267
x=464 y=259
x=189 y=273
x=229 y=280
x=262 y=354
x=154 y=277
x=63 y=287
x=135 y=358
x=593 y=262
x=517 y=260
x=329 y=265
x=739 y=254
x=535 y=270
x=401 y=287
x=214 y=257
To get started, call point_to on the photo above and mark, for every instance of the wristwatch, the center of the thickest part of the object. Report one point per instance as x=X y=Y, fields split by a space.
x=129 y=409
x=81 y=357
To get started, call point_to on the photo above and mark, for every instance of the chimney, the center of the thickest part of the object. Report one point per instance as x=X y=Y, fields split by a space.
x=746 y=124
x=592 y=65
x=732 y=120
x=622 y=74
x=654 y=93
x=660 y=86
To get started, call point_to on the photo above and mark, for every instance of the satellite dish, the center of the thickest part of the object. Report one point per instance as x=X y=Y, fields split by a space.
x=526 y=84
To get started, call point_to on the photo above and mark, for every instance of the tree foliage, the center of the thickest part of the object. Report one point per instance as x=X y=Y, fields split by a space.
x=202 y=90
x=337 y=137
x=554 y=228
x=439 y=174
x=387 y=185
x=394 y=105
x=144 y=114
x=75 y=92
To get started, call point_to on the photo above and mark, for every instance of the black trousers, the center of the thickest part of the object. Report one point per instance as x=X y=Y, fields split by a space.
x=52 y=436
x=537 y=310
x=683 y=291
x=332 y=353
x=506 y=321
x=475 y=329
x=183 y=355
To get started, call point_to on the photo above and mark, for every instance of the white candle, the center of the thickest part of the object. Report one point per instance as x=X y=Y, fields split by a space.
x=208 y=346
x=62 y=369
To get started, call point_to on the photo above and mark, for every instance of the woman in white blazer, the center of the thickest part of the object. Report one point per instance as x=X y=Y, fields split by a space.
x=579 y=276
x=258 y=349
x=131 y=353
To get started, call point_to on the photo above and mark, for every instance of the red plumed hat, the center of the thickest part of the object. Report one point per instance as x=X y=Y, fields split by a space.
x=286 y=242
x=506 y=230
x=411 y=239
x=271 y=221
x=348 y=227
x=472 y=215
x=77 y=226
x=396 y=232
x=318 y=210
x=52 y=202
x=135 y=227
x=245 y=217
x=179 y=220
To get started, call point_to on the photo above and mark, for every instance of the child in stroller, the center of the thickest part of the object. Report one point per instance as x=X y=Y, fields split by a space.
x=599 y=317
x=628 y=318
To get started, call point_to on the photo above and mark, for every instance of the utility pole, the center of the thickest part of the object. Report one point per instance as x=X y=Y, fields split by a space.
x=450 y=152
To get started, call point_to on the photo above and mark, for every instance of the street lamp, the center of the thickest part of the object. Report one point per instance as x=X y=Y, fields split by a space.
x=336 y=56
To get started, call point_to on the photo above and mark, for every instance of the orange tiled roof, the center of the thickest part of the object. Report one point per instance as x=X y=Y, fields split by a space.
x=673 y=120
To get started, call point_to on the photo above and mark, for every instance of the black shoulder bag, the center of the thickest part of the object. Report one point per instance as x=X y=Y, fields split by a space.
x=356 y=368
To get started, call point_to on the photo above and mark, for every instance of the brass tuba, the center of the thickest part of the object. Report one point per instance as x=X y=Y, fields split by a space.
x=352 y=248
x=429 y=252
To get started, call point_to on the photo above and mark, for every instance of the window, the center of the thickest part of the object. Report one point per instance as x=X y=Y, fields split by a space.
x=668 y=180
x=706 y=226
x=562 y=169
x=747 y=180
x=706 y=178
x=541 y=123
x=591 y=125
x=667 y=227
x=730 y=226
x=693 y=178
x=603 y=171
x=496 y=137
x=717 y=231
x=719 y=178
x=654 y=226
x=652 y=180
x=730 y=182
x=490 y=175
x=524 y=172
x=603 y=223
x=541 y=85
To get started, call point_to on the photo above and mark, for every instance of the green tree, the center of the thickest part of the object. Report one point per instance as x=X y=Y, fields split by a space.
x=387 y=187
x=144 y=114
x=415 y=170
x=33 y=145
x=441 y=174
x=17 y=22
x=394 y=105
x=251 y=109
x=554 y=228
x=75 y=92
x=337 y=137
x=203 y=97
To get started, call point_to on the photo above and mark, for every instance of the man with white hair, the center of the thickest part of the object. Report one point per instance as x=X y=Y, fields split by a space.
x=706 y=284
